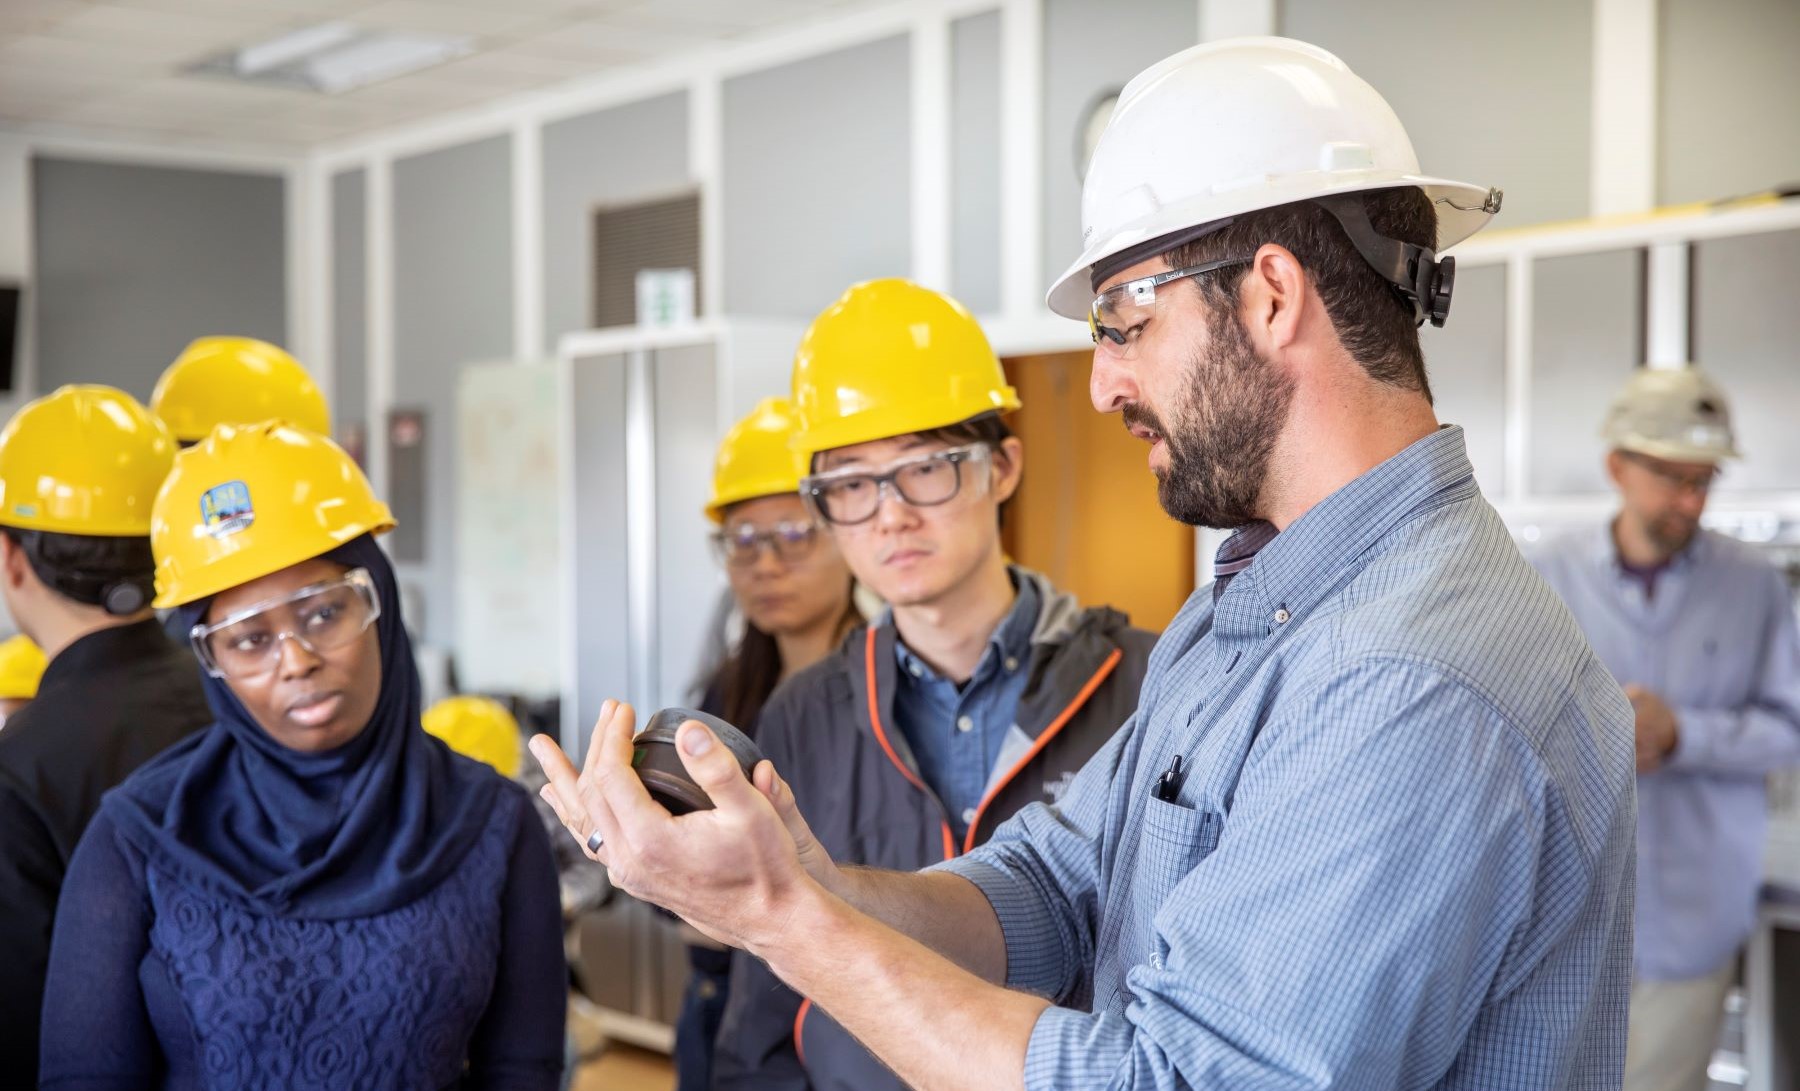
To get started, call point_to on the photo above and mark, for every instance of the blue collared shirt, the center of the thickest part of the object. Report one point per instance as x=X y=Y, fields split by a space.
x=1717 y=643
x=1401 y=856
x=956 y=732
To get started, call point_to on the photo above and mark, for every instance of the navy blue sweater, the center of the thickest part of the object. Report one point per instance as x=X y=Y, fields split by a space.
x=155 y=983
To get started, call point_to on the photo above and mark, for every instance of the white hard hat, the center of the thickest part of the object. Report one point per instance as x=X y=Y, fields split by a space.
x=1237 y=126
x=1674 y=413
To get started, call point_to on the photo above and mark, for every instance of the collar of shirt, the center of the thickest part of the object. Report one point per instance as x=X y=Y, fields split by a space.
x=1604 y=549
x=93 y=654
x=1009 y=644
x=1273 y=578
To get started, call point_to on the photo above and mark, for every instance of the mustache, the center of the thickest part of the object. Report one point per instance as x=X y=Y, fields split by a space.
x=1138 y=415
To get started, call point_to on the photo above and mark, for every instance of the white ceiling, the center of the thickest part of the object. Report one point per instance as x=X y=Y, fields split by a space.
x=116 y=67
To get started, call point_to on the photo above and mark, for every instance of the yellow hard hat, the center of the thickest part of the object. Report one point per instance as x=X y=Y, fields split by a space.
x=890 y=358
x=22 y=663
x=479 y=728
x=756 y=458
x=253 y=499
x=83 y=460
x=236 y=380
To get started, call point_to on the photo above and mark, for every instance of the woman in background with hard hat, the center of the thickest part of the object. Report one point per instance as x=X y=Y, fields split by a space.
x=795 y=594
x=22 y=664
x=311 y=892
x=79 y=470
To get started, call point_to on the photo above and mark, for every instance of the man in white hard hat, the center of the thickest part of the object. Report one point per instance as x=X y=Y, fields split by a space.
x=1699 y=629
x=1371 y=824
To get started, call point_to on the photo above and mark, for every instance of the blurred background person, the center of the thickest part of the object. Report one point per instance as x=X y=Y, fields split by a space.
x=312 y=891
x=795 y=596
x=79 y=470
x=1699 y=629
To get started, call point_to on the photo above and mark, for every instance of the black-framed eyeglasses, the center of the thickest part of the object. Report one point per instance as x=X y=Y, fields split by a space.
x=1701 y=483
x=1118 y=314
x=790 y=540
x=849 y=496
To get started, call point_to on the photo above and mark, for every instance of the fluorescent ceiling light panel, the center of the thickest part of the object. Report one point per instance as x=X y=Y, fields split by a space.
x=335 y=57
x=265 y=56
x=381 y=57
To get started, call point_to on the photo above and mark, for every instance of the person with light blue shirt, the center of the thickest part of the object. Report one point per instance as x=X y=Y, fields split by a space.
x=1701 y=632
x=1371 y=825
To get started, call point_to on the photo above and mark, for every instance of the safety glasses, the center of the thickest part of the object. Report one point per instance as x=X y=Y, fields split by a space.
x=1673 y=479
x=740 y=546
x=850 y=496
x=1119 y=314
x=319 y=618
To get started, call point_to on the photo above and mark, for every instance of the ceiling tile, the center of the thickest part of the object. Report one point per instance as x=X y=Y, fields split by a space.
x=106 y=24
x=493 y=20
x=29 y=16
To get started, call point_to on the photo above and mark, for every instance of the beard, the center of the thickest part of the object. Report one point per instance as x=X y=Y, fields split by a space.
x=1221 y=432
x=1671 y=533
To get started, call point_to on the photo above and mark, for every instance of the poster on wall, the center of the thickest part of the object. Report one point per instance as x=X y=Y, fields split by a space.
x=508 y=531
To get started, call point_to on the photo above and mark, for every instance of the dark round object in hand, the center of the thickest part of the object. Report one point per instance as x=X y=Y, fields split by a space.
x=658 y=764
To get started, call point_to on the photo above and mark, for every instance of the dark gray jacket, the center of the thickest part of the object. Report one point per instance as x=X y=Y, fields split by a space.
x=831 y=735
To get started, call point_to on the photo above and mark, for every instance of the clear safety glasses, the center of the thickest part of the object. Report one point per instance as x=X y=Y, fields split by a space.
x=740 y=546
x=1119 y=314
x=850 y=496
x=319 y=618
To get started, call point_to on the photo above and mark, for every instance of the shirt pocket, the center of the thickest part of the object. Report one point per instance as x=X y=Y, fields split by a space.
x=1175 y=840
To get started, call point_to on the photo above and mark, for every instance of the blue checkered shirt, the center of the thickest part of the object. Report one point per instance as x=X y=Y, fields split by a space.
x=1401 y=855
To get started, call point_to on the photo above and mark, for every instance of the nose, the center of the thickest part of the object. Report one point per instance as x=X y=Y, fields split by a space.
x=767 y=562
x=1111 y=384
x=891 y=512
x=296 y=660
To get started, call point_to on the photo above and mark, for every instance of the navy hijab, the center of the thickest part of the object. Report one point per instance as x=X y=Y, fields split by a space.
x=351 y=832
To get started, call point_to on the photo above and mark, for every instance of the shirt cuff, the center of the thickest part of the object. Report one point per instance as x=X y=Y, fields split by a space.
x=1069 y=1048
x=1036 y=955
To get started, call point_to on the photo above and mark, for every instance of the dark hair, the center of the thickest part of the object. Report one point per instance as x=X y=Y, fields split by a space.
x=753 y=669
x=1375 y=324
x=117 y=574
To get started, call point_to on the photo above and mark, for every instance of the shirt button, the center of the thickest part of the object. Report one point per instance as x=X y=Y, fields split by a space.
x=1011 y=664
x=916 y=670
x=1156 y=961
x=965 y=725
x=969 y=817
x=1282 y=616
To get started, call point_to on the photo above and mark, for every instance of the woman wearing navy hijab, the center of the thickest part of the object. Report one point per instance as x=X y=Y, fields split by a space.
x=312 y=892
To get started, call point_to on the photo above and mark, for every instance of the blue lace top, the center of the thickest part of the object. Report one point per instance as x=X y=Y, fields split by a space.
x=154 y=982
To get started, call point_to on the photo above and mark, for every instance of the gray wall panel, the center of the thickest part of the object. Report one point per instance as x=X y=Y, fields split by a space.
x=133 y=262
x=1726 y=117
x=975 y=162
x=1498 y=101
x=1089 y=49
x=623 y=154
x=1745 y=331
x=452 y=306
x=1586 y=337
x=1466 y=363
x=349 y=301
x=817 y=177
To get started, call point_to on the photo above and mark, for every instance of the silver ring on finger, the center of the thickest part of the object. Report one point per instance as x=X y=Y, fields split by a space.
x=594 y=842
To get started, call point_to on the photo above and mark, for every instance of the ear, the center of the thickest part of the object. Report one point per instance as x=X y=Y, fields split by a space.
x=1273 y=298
x=1615 y=468
x=1009 y=467
x=15 y=567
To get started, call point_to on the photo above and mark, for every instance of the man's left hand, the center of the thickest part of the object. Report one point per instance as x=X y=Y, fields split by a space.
x=734 y=872
x=1657 y=732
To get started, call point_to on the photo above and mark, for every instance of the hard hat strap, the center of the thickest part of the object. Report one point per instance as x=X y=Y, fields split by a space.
x=1416 y=273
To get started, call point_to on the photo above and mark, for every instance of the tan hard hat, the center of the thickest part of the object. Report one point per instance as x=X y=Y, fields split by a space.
x=1673 y=413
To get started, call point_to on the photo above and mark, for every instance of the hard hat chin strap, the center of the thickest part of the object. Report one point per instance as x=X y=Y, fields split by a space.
x=1419 y=276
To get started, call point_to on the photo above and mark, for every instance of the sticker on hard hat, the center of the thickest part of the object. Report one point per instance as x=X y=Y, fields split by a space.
x=225 y=509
